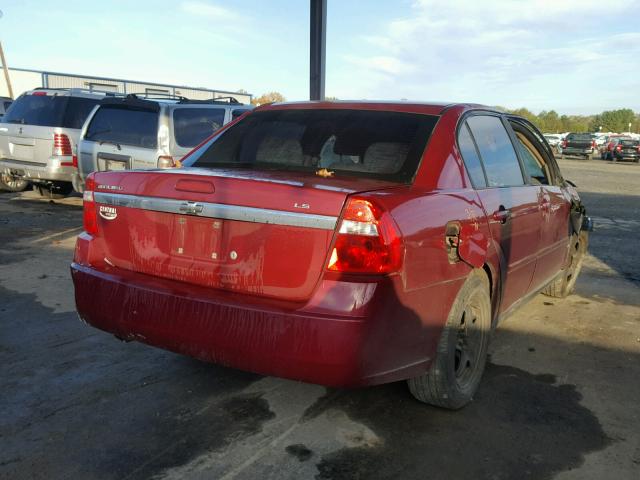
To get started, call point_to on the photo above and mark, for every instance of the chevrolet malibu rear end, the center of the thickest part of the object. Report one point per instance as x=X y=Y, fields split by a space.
x=325 y=242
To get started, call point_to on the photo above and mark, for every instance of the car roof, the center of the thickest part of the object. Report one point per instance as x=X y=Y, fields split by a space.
x=68 y=92
x=428 y=108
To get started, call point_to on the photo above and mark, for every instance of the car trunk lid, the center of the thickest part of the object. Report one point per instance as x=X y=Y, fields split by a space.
x=260 y=233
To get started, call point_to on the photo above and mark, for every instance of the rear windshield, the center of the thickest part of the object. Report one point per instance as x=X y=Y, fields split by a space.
x=124 y=126
x=385 y=145
x=50 y=111
x=629 y=143
x=579 y=137
x=192 y=125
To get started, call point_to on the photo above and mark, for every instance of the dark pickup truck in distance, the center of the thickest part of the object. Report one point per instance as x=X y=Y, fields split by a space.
x=579 y=144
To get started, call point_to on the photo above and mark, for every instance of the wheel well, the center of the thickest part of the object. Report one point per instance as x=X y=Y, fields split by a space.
x=487 y=270
x=493 y=288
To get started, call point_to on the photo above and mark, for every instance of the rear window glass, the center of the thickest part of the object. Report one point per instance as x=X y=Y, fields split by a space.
x=579 y=137
x=471 y=158
x=386 y=145
x=50 y=111
x=7 y=105
x=124 y=126
x=496 y=150
x=629 y=143
x=192 y=125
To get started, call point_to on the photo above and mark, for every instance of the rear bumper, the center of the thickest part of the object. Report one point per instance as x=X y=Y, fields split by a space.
x=577 y=151
x=632 y=157
x=34 y=171
x=373 y=344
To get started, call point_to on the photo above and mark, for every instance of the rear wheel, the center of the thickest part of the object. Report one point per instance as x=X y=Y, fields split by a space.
x=566 y=282
x=11 y=183
x=455 y=373
x=55 y=190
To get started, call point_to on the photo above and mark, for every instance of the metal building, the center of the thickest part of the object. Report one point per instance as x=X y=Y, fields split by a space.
x=24 y=79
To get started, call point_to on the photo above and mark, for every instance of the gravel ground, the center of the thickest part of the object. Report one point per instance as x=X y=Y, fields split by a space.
x=559 y=398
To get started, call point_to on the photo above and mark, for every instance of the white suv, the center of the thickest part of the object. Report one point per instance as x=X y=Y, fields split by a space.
x=38 y=139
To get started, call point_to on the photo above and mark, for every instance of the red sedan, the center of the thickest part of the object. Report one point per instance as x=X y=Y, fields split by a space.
x=336 y=243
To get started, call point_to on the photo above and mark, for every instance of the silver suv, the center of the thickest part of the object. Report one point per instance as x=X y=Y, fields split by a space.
x=38 y=139
x=136 y=132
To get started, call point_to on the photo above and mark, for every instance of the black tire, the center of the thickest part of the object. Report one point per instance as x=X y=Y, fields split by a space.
x=461 y=356
x=564 y=284
x=11 y=183
x=56 y=190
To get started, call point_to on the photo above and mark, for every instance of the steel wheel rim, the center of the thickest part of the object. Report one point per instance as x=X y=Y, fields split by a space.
x=468 y=344
x=11 y=181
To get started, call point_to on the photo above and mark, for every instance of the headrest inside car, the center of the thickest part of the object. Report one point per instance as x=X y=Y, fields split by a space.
x=352 y=141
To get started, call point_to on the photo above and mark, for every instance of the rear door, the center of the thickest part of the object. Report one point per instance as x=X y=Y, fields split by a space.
x=510 y=204
x=554 y=203
x=121 y=135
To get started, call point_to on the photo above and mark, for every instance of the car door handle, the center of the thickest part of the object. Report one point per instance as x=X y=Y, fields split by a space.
x=502 y=215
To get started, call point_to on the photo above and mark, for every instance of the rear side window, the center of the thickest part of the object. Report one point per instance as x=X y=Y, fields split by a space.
x=77 y=111
x=126 y=126
x=471 y=158
x=385 y=145
x=497 y=152
x=51 y=111
x=192 y=125
x=237 y=113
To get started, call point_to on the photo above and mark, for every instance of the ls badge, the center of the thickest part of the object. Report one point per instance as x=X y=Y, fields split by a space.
x=108 y=213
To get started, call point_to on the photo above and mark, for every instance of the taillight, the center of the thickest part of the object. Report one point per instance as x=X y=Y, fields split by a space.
x=89 y=213
x=564 y=144
x=166 y=161
x=368 y=241
x=593 y=144
x=619 y=147
x=61 y=145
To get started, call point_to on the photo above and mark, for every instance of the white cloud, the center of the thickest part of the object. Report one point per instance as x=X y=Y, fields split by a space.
x=209 y=10
x=537 y=53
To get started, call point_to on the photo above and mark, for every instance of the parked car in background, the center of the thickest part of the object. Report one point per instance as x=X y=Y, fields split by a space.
x=136 y=132
x=606 y=151
x=38 y=139
x=579 y=144
x=339 y=243
x=5 y=103
x=554 y=140
x=626 y=149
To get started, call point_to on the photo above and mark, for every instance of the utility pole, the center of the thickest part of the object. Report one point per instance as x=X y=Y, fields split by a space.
x=5 y=67
x=317 y=48
x=6 y=71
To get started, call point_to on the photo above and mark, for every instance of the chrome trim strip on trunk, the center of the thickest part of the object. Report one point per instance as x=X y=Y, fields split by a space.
x=218 y=210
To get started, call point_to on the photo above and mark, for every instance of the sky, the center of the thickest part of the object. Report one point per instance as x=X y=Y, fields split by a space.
x=574 y=56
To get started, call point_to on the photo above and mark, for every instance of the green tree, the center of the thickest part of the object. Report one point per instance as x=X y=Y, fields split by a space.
x=614 y=120
x=270 y=97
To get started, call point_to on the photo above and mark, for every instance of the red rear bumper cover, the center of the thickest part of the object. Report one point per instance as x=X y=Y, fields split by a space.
x=365 y=347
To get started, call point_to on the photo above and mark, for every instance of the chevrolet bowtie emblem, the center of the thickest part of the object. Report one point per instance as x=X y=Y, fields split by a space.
x=191 y=208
